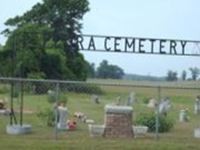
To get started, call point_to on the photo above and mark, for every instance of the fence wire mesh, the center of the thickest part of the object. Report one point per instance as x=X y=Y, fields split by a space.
x=36 y=102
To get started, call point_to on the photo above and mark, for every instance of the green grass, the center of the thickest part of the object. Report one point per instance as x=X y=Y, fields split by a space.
x=43 y=137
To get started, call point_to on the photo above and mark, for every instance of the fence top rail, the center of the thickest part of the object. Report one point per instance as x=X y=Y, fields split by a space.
x=10 y=79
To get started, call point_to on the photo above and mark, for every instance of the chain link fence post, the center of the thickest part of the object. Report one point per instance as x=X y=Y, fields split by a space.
x=56 y=109
x=21 y=102
x=157 y=114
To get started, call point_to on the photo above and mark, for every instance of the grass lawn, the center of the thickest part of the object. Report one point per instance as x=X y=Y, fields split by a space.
x=43 y=137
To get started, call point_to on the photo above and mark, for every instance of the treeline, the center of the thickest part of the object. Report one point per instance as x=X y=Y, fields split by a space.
x=137 y=77
x=105 y=71
x=109 y=71
x=194 y=75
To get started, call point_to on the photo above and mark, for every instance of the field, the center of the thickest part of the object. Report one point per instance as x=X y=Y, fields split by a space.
x=43 y=137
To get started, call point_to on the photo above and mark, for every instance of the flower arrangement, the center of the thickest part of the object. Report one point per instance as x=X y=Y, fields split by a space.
x=71 y=125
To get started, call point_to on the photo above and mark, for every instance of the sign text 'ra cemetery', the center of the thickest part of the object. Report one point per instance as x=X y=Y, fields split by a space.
x=138 y=45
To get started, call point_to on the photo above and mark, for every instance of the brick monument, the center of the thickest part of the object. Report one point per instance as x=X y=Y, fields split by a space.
x=118 y=122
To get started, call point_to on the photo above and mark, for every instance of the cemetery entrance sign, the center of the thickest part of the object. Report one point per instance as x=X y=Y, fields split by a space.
x=138 y=45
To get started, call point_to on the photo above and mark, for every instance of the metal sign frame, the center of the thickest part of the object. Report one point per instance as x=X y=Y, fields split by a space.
x=137 y=45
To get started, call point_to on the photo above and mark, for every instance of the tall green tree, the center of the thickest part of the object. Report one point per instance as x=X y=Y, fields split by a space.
x=52 y=20
x=91 y=70
x=106 y=70
x=171 y=76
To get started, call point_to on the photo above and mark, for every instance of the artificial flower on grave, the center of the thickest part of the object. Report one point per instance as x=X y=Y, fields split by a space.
x=71 y=124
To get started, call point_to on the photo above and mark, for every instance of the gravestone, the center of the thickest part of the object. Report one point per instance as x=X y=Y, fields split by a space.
x=152 y=103
x=140 y=130
x=197 y=105
x=62 y=113
x=118 y=121
x=95 y=99
x=183 y=115
x=131 y=99
x=119 y=100
x=17 y=129
x=164 y=106
x=96 y=130
x=197 y=133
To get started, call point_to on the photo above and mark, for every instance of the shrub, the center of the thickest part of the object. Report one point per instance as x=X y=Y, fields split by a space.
x=4 y=89
x=149 y=120
x=146 y=100
x=52 y=97
x=47 y=115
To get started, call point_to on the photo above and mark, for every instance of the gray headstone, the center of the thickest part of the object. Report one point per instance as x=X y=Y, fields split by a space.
x=197 y=105
x=95 y=99
x=62 y=121
x=164 y=106
x=119 y=101
x=131 y=99
x=183 y=115
x=197 y=133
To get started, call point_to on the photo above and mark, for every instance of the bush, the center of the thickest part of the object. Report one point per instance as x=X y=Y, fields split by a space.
x=4 y=89
x=52 y=97
x=146 y=100
x=149 y=120
x=47 y=115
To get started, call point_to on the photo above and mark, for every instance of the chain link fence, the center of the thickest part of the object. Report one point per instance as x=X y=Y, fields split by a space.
x=167 y=111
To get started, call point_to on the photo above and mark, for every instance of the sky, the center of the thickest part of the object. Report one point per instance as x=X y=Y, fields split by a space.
x=170 y=19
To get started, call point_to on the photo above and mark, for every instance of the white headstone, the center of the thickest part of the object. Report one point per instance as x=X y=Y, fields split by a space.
x=197 y=133
x=17 y=129
x=96 y=130
x=139 y=130
x=131 y=99
x=164 y=106
x=62 y=113
x=183 y=115
x=152 y=103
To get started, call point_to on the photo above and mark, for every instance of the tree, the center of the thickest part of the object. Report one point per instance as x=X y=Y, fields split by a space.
x=109 y=71
x=52 y=20
x=194 y=72
x=171 y=76
x=184 y=75
x=91 y=70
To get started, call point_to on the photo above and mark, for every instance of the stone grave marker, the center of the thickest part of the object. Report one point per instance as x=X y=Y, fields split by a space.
x=152 y=103
x=197 y=133
x=62 y=119
x=95 y=99
x=118 y=122
x=183 y=115
x=131 y=99
x=164 y=106
x=197 y=105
